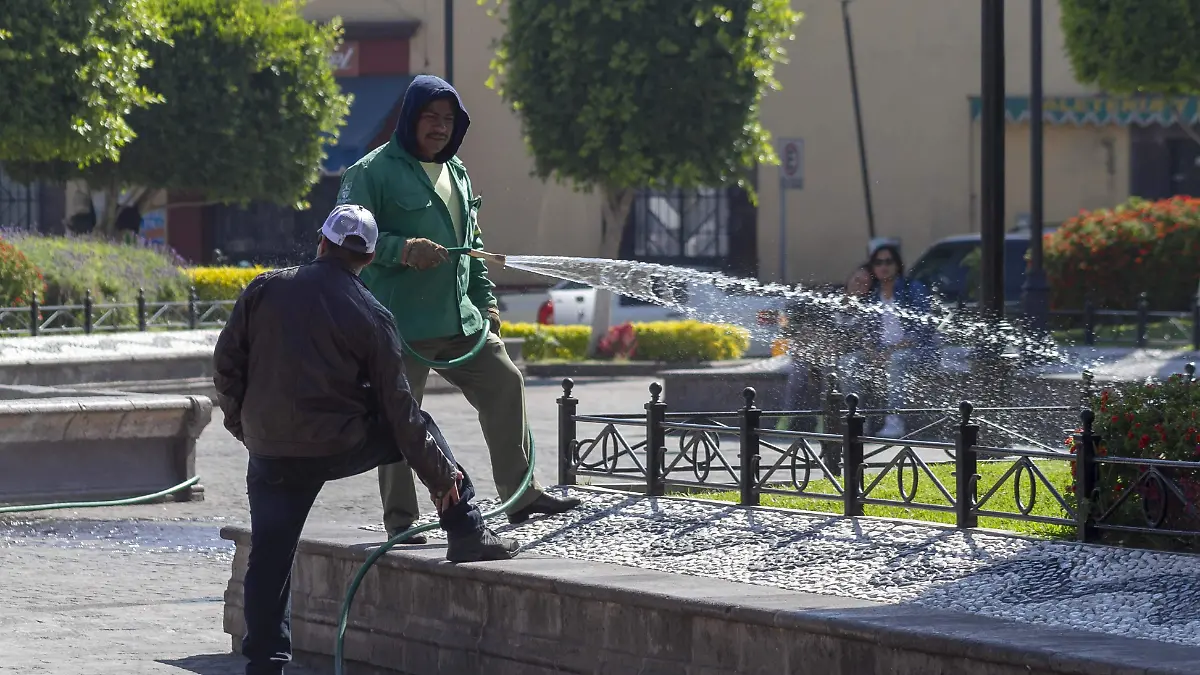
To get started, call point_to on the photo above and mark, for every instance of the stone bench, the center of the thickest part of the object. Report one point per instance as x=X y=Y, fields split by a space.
x=417 y=615
x=63 y=445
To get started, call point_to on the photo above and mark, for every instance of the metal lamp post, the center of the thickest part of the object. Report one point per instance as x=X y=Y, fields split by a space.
x=992 y=159
x=1035 y=290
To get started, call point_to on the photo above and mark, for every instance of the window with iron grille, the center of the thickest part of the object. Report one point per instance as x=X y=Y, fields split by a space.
x=18 y=203
x=681 y=225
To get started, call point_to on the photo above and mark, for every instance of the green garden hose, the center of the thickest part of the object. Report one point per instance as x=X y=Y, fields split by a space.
x=343 y=620
x=130 y=501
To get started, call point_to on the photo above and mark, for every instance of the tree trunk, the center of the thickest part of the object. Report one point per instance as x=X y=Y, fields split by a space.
x=106 y=220
x=615 y=211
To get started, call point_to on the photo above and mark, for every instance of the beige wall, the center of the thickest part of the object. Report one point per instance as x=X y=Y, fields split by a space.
x=918 y=62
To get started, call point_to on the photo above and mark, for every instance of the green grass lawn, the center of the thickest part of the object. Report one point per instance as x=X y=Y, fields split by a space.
x=1159 y=334
x=1056 y=472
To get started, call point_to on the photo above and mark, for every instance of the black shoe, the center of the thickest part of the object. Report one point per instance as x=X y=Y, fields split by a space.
x=415 y=540
x=484 y=545
x=544 y=504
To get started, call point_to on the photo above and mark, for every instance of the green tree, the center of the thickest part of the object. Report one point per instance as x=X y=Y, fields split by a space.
x=1135 y=46
x=249 y=102
x=630 y=94
x=70 y=72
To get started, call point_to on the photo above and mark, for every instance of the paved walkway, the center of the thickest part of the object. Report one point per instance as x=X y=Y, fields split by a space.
x=138 y=590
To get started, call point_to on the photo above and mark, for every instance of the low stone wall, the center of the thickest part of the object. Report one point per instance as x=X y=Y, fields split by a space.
x=418 y=615
x=60 y=445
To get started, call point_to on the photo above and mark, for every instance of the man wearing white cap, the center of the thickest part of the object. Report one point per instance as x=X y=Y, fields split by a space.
x=310 y=378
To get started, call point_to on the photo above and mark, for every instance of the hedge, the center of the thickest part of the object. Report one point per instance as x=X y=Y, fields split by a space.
x=113 y=272
x=221 y=283
x=665 y=341
x=1110 y=256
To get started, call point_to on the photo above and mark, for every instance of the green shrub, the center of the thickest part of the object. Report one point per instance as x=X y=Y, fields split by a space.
x=1154 y=420
x=544 y=343
x=1110 y=256
x=675 y=341
x=667 y=341
x=19 y=278
x=221 y=283
x=113 y=272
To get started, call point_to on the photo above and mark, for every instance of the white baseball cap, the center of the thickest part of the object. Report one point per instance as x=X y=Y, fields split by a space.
x=351 y=220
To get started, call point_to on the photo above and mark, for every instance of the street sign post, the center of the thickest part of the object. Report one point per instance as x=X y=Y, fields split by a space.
x=791 y=177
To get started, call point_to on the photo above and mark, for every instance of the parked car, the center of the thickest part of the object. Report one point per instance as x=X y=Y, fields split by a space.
x=942 y=267
x=570 y=302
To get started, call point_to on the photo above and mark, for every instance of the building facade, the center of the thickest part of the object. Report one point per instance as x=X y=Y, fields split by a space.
x=919 y=77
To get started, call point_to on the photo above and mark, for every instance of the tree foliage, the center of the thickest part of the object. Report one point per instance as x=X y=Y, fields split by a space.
x=1134 y=46
x=631 y=94
x=628 y=94
x=70 y=74
x=249 y=102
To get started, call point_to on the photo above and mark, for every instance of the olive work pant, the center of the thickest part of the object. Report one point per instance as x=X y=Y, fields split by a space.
x=496 y=389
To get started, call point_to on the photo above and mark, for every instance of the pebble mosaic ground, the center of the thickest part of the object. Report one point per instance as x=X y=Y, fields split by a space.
x=1094 y=588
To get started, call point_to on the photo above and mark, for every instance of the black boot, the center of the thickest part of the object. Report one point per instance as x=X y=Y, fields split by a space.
x=544 y=504
x=483 y=545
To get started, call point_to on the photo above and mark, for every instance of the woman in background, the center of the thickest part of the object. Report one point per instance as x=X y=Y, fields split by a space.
x=816 y=339
x=901 y=340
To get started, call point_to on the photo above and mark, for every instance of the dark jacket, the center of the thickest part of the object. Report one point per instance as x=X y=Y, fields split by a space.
x=911 y=295
x=309 y=362
x=454 y=297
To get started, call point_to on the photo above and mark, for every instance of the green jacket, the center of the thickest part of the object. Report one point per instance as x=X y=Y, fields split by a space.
x=450 y=299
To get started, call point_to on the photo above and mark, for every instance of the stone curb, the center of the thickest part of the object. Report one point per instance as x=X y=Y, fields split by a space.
x=627 y=369
x=982 y=642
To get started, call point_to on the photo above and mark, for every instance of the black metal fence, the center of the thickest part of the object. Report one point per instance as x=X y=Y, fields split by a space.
x=1156 y=497
x=1179 y=328
x=96 y=317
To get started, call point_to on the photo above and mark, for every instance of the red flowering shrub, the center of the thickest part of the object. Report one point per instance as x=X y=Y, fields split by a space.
x=1112 y=255
x=1150 y=420
x=19 y=278
x=619 y=343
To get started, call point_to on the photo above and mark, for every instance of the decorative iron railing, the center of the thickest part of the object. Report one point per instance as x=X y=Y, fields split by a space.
x=692 y=450
x=98 y=317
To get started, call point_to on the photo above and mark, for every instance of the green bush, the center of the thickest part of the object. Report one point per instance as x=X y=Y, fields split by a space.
x=675 y=341
x=666 y=341
x=113 y=272
x=544 y=343
x=221 y=283
x=19 y=278
x=1153 y=420
x=1110 y=256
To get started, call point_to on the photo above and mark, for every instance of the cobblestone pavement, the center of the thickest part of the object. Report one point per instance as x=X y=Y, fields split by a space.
x=137 y=589
x=1130 y=592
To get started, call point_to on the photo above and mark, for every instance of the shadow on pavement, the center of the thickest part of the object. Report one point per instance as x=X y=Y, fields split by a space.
x=220 y=664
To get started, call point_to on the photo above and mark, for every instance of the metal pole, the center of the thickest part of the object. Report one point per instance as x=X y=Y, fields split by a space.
x=1035 y=289
x=862 y=146
x=992 y=159
x=782 y=232
x=449 y=29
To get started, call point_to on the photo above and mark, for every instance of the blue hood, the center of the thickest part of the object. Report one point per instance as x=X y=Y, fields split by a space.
x=423 y=90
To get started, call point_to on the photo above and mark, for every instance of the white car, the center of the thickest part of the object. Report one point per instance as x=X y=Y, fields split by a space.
x=570 y=302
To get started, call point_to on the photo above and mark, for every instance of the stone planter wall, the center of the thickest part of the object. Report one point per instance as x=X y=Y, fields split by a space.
x=83 y=446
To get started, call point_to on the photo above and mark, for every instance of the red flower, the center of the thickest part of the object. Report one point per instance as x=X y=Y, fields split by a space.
x=1142 y=444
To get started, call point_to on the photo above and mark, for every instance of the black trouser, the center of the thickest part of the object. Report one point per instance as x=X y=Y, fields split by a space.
x=281 y=492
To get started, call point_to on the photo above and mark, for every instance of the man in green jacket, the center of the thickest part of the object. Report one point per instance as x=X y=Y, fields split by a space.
x=422 y=200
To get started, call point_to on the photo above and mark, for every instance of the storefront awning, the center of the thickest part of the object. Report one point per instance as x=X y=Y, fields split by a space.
x=1102 y=110
x=375 y=97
